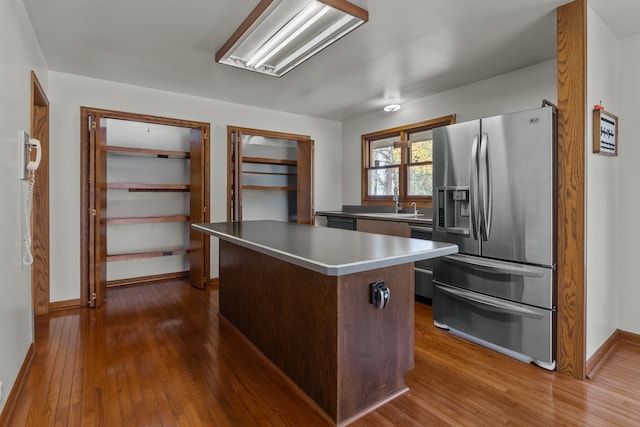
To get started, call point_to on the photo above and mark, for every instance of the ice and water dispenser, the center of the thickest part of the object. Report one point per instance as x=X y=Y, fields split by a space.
x=453 y=210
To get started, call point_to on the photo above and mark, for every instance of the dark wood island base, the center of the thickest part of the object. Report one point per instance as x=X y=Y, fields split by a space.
x=302 y=296
x=321 y=331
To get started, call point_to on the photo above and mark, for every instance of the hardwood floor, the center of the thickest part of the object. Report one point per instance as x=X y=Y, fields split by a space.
x=158 y=355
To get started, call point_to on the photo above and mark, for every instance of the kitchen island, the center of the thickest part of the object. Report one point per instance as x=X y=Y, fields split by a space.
x=302 y=295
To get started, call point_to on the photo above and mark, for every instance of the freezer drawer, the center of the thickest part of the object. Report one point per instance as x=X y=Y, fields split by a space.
x=524 y=329
x=424 y=282
x=521 y=283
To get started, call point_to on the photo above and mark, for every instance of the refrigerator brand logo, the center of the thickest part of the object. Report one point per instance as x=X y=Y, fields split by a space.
x=534 y=120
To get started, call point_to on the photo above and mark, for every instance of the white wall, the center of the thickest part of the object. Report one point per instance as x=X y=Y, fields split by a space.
x=69 y=92
x=520 y=90
x=601 y=188
x=629 y=201
x=20 y=54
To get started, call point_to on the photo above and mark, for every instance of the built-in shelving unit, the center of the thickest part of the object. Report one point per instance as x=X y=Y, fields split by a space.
x=285 y=172
x=158 y=156
x=273 y=163
x=148 y=181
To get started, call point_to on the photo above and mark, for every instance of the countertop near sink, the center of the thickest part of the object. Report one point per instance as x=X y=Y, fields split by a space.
x=420 y=219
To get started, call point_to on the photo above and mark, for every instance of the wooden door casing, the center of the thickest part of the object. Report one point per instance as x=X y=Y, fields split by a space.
x=306 y=211
x=198 y=209
x=99 y=294
x=305 y=208
x=40 y=270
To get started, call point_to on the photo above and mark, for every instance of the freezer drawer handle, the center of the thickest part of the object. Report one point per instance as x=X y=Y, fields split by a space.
x=503 y=306
x=423 y=270
x=495 y=267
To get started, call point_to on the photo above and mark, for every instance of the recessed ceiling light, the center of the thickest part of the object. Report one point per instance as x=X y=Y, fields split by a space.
x=391 y=108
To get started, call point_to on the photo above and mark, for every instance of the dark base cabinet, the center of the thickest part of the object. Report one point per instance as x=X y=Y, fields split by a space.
x=341 y=222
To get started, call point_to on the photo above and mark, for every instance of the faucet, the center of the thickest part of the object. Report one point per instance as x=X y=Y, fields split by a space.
x=415 y=208
x=396 y=199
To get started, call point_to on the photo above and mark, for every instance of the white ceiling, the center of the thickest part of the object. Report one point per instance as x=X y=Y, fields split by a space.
x=409 y=48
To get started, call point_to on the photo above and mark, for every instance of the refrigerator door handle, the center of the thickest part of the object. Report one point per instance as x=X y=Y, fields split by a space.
x=487 y=302
x=486 y=204
x=495 y=267
x=473 y=197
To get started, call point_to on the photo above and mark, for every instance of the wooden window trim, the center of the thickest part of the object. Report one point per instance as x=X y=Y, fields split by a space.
x=401 y=132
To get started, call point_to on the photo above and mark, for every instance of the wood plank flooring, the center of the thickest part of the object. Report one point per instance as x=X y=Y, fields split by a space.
x=158 y=355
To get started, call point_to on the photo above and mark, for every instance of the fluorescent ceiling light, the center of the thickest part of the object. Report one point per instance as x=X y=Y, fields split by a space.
x=278 y=35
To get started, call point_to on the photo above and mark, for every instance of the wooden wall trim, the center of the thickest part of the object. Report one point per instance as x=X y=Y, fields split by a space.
x=7 y=414
x=572 y=77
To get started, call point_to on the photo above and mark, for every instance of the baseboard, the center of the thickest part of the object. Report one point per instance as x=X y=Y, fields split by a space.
x=148 y=279
x=75 y=303
x=18 y=387
x=601 y=354
x=63 y=305
x=596 y=359
x=629 y=337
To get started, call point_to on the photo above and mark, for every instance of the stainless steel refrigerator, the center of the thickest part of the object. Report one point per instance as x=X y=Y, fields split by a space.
x=495 y=197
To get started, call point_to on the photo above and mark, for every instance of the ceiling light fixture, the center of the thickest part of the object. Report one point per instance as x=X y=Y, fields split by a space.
x=278 y=35
x=391 y=108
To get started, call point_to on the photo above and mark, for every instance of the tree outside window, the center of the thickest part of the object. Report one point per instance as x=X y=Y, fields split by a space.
x=399 y=161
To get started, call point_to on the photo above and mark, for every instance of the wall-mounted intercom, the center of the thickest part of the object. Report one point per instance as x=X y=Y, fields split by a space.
x=27 y=173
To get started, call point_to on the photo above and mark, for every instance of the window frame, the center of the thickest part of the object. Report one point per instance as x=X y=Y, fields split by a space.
x=403 y=133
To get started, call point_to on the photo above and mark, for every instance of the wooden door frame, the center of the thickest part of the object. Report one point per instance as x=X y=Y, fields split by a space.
x=40 y=270
x=87 y=186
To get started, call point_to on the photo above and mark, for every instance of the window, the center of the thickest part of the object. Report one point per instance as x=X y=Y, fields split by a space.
x=398 y=161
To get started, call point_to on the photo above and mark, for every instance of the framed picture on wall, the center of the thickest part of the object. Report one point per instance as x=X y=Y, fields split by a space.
x=605 y=133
